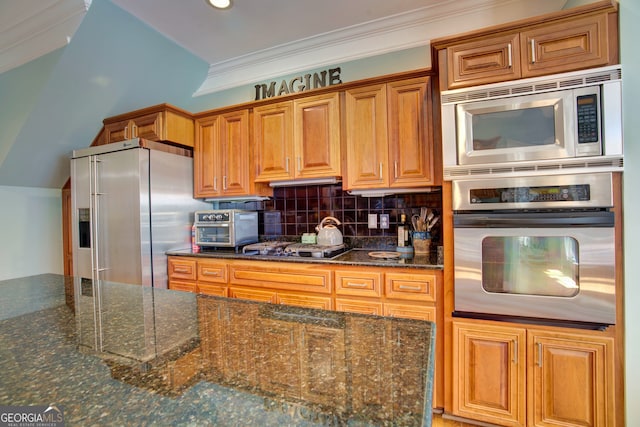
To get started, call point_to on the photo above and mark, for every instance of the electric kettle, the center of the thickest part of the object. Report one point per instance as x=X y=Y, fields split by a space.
x=328 y=234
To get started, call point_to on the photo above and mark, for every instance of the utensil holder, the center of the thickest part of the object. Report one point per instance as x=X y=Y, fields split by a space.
x=421 y=242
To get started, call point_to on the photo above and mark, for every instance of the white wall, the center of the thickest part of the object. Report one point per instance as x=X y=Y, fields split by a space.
x=630 y=59
x=31 y=231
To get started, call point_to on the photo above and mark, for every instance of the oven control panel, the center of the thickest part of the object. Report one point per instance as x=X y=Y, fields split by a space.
x=547 y=193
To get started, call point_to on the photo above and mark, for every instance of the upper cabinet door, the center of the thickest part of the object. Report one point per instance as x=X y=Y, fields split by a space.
x=366 y=137
x=487 y=60
x=273 y=142
x=205 y=157
x=221 y=155
x=317 y=136
x=234 y=153
x=410 y=133
x=565 y=46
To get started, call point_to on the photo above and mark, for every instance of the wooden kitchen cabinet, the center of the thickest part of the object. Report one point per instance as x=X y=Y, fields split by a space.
x=513 y=375
x=389 y=135
x=570 y=379
x=221 y=155
x=273 y=141
x=282 y=275
x=298 y=139
x=579 y=38
x=489 y=371
x=162 y=122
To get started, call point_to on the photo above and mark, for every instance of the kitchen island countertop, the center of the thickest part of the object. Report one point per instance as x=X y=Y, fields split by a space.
x=116 y=354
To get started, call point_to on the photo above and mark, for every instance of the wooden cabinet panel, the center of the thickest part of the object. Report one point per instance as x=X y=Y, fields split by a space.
x=305 y=300
x=358 y=283
x=209 y=289
x=212 y=271
x=488 y=60
x=181 y=268
x=359 y=306
x=563 y=365
x=177 y=285
x=409 y=311
x=411 y=145
x=565 y=46
x=366 y=137
x=162 y=122
x=317 y=136
x=489 y=372
x=280 y=275
x=253 y=294
x=573 y=40
x=273 y=141
x=221 y=155
x=410 y=286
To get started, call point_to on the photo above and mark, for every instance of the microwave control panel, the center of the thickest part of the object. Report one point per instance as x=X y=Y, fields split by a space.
x=550 y=193
x=587 y=109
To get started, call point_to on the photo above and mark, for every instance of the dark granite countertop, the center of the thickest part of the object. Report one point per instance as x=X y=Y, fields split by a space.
x=350 y=257
x=115 y=354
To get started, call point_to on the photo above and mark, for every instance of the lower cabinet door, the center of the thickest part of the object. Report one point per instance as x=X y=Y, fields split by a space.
x=570 y=379
x=409 y=311
x=305 y=300
x=489 y=373
x=359 y=306
x=253 y=294
x=179 y=285
x=279 y=370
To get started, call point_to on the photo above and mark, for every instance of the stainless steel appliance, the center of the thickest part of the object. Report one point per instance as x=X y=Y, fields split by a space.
x=543 y=125
x=226 y=228
x=535 y=247
x=130 y=204
x=277 y=248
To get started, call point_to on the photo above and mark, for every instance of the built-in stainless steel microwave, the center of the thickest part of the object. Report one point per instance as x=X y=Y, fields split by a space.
x=564 y=123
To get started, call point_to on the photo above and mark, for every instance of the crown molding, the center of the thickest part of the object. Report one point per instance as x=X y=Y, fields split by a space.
x=395 y=33
x=35 y=31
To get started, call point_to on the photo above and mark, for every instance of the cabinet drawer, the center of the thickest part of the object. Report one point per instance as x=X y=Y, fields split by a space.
x=184 y=269
x=415 y=287
x=278 y=275
x=253 y=294
x=212 y=272
x=410 y=311
x=305 y=300
x=217 y=290
x=358 y=283
x=359 y=306
x=177 y=285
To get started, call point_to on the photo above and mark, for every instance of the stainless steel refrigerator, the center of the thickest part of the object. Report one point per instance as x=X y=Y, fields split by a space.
x=130 y=204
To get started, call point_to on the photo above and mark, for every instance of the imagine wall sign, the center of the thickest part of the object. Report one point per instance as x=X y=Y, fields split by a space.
x=299 y=84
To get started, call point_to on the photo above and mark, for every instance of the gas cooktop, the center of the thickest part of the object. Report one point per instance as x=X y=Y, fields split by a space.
x=293 y=249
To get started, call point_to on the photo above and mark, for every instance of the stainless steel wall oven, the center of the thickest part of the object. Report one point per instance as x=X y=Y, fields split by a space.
x=535 y=248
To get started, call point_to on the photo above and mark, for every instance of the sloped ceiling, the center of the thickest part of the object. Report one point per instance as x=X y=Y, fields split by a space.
x=153 y=51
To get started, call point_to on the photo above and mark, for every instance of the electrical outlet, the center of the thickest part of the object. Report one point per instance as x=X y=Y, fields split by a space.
x=384 y=221
x=373 y=221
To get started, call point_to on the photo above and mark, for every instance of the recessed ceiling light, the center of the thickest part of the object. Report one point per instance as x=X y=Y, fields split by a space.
x=220 y=4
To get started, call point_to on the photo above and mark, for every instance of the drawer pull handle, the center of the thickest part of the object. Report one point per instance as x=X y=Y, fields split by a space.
x=356 y=285
x=410 y=288
x=182 y=270
x=211 y=273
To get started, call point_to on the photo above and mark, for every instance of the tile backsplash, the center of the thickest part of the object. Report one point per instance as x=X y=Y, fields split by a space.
x=296 y=210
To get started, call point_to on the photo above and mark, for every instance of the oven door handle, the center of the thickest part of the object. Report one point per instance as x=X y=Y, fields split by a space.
x=533 y=220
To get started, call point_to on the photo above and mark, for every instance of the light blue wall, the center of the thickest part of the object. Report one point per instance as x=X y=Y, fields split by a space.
x=114 y=64
x=30 y=231
x=630 y=59
x=394 y=62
